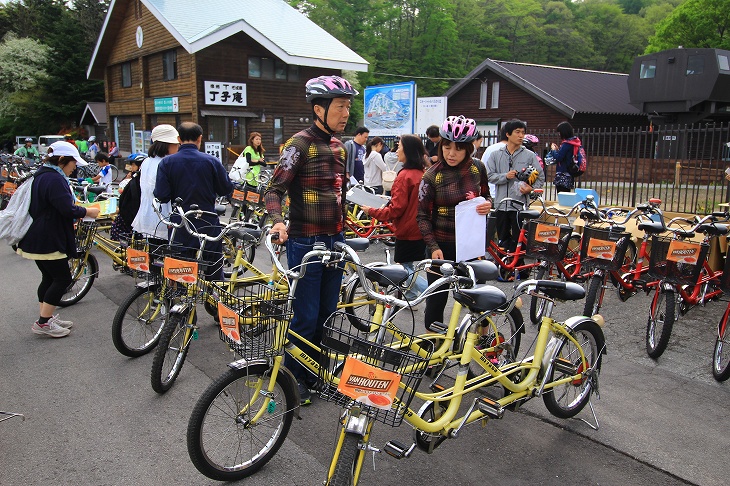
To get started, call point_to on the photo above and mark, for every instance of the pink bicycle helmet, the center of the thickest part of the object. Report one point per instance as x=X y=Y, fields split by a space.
x=530 y=139
x=329 y=87
x=459 y=129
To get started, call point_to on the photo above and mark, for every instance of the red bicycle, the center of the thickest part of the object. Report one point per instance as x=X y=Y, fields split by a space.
x=685 y=277
x=721 y=354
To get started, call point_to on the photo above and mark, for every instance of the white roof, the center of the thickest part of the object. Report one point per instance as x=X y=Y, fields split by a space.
x=274 y=24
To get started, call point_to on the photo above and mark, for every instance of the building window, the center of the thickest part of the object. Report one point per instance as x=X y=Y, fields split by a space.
x=648 y=69
x=495 y=95
x=126 y=75
x=169 y=65
x=278 y=131
x=695 y=65
x=723 y=63
x=483 y=96
x=268 y=68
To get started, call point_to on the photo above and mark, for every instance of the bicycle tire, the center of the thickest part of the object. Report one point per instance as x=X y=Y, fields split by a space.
x=220 y=415
x=83 y=273
x=568 y=399
x=512 y=324
x=630 y=258
x=661 y=320
x=171 y=352
x=138 y=322
x=594 y=296
x=720 y=355
x=115 y=172
x=344 y=473
x=537 y=305
x=229 y=255
x=358 y=315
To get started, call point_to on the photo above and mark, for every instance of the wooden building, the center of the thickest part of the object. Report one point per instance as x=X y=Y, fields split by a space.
x=543 y=96
x=233 y=67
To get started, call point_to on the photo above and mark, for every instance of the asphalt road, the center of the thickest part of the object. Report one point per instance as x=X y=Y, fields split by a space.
x=93 y=419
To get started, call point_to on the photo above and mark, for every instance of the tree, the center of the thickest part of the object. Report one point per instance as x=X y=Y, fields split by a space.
x=695 y=23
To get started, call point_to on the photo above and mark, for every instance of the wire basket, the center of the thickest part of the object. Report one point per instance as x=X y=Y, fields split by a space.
x=603 y=248
x=547 y=242
x=677 y=262
x=85 y=231
x=254 y=320
x=405 y=355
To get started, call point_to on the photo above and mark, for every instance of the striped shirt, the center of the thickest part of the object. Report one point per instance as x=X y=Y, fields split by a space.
x=442 y=188
x=311 y=170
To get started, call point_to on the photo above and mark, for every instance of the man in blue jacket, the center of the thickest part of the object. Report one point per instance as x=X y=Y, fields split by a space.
x=196 y=178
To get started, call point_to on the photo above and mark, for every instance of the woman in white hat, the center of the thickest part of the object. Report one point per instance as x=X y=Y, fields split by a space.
x=165 y=141
x=50 y=239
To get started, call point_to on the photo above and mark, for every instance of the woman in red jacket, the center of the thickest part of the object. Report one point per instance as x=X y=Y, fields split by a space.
x=403 y=207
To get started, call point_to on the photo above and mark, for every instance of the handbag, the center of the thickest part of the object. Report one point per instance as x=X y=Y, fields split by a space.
x=388 y=178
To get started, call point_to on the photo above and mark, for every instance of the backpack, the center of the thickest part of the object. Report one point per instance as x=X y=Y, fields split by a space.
x=389 y=176
x=577 y=167
x=15 y=219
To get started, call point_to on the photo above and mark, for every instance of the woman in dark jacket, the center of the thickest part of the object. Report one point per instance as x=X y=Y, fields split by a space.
x=50 y=239
x=564 y=182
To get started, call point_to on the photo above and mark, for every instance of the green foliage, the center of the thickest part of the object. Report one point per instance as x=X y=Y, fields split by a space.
x=695 y=23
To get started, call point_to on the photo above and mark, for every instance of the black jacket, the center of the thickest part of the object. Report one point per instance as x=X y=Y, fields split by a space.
x=53 y=211
x=130 y=199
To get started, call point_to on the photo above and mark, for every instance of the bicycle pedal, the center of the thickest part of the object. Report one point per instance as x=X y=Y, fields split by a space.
x=580 y=279
x=640 y=284
x=437 y=387
x=438 y=327
x=398 y=449
x=490 y=408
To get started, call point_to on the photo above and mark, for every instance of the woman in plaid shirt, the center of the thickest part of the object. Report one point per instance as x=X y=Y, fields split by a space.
x=454 y=178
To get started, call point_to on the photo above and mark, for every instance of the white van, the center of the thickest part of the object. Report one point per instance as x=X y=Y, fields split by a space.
x=20 y=140
x=45 y=141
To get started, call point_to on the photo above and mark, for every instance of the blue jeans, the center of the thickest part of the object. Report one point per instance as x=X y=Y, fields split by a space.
x=315 y=298
x=416 y=287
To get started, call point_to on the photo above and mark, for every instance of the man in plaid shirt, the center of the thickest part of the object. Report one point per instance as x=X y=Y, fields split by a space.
x=312 y=171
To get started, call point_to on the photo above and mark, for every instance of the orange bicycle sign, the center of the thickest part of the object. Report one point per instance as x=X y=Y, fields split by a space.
x=228 y=320
x=138 y=260
x=181 y=271
x=603 y=249
x=367 y=384
x=546 y=233
x=683 y=252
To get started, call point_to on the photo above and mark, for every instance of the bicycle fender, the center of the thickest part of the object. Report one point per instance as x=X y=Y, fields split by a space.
x=180 y=309
x=283 y=371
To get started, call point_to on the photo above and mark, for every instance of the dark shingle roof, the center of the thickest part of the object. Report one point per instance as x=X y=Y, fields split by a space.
x=568 y=90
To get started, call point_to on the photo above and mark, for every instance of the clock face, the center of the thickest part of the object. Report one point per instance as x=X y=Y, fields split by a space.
x=140 y=37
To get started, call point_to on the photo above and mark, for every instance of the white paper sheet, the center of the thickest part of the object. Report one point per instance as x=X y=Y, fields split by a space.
x=471 y=230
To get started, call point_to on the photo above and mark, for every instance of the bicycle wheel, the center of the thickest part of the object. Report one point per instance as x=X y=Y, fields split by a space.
x=138 y=322
x=346 y=465
x=496 y=330
x=594 y=296
x=360 y=307
x=229 y=255
x=568 y=399
x=171 y=351
x=661 y=320
x=83 y=273
x=537 y=305
x=721 y=356
x=223 y=443
x=628 y=264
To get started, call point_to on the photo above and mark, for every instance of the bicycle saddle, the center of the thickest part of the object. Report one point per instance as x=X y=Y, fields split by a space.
x=387 y=275
x=484 y=270
x=712 y=229
x=220 y=209
x=652 y=227
x=246 y=234
x=561 y=290
x=483 y=298
x=96 y=189
x=528 y=214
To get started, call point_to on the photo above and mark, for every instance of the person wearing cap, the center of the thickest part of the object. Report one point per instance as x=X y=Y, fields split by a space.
x=311 y=171
x=50 y=239
x=70 y=139
x=198 y=179
x=165 y=141
x=93 y=147
x=28 y=151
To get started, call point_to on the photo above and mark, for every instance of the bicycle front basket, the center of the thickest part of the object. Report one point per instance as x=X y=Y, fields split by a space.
x=547 y=242
x=254 y=319
x=675 y=261
x=404 y=355
x=85 y=231
x=603 y=248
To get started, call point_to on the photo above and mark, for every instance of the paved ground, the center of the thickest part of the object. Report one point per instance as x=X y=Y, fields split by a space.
x=92 y=417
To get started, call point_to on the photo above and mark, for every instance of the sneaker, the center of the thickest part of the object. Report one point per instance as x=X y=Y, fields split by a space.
x=305 y=396
x=50 y=329
x=63 y=324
